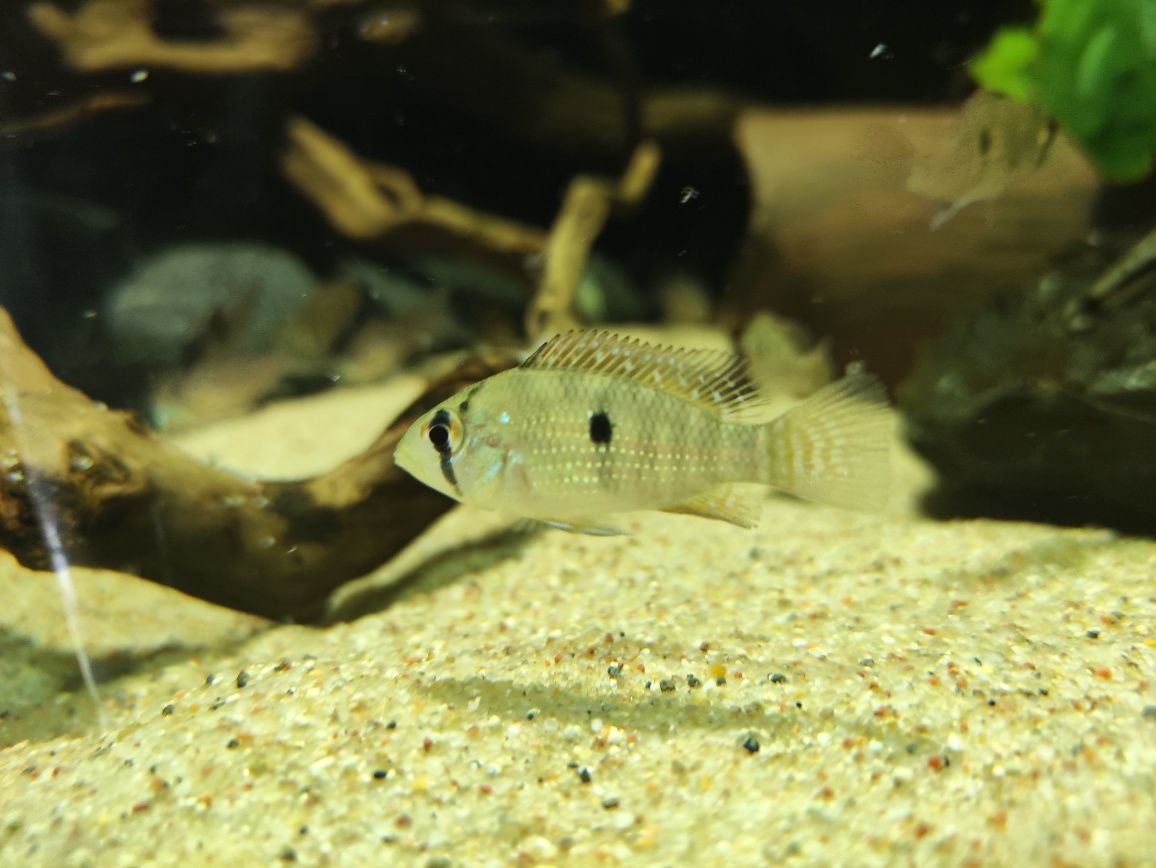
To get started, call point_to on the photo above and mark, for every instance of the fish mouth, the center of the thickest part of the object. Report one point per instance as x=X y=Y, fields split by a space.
x=403 y=453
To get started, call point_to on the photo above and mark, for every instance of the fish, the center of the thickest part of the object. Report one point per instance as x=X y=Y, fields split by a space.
x=997 y=142
x=593 y=425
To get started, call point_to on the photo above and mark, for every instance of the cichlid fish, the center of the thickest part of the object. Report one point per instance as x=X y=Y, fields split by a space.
x=997 y=142
x=594 y=424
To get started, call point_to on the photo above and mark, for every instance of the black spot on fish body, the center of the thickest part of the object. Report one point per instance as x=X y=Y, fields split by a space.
x=601 y=428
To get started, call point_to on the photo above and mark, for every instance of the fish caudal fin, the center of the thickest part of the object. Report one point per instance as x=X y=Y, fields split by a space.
x=833 y=448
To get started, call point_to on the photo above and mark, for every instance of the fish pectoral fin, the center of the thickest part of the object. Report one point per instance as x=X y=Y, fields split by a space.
x=724 y=504
x=580 y=526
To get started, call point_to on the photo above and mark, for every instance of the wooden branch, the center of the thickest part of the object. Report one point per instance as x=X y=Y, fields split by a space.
x=585 y=209
x=547 y=106
x=20 y=129
x=373 y=202
x=123 y=498
x=118 y=34
x=506 y=84
x=1122 y=274
x=370 y=201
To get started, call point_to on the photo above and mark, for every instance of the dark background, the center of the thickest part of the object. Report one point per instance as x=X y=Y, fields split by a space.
x=80 y=206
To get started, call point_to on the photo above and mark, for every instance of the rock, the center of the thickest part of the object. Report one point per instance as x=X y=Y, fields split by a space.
x=1044 y=407
x=240 y=294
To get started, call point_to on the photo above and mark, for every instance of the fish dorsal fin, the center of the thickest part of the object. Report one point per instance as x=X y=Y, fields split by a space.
x=713 y=379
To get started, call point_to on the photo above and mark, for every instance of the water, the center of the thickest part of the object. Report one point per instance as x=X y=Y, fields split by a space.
x=250 y=246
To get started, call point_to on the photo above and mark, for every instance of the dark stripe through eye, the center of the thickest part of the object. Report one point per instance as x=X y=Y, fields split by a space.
x=447 y=466
x=441 y=437
x=600 y=428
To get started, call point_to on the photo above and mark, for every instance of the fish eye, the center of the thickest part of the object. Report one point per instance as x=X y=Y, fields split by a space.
x=444 y=432
x=439 y=436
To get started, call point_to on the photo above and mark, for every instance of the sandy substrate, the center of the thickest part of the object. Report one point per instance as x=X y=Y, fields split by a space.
x=833 y=688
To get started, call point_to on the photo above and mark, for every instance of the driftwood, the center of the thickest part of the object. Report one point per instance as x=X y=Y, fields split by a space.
x=83 y=108
x=556 y=109
x=118 y=34
x=587 y=206
x=536 y=101
x=120 y=497
x=373 y=202
x=1119 y=281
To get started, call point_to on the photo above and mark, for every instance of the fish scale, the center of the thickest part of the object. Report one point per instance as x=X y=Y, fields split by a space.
x=593 y=424
x=662 y=449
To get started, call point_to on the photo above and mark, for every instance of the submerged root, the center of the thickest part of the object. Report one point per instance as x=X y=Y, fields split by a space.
x=588 y=204
x=377 y=203
x=127 y=499
x=118 y=34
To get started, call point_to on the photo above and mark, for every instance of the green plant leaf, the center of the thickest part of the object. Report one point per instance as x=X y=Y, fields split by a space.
x=1006 y=65
x=1092 y=67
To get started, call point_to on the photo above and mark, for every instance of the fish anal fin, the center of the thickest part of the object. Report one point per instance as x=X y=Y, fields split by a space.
x=714 y=379
x=727 y=504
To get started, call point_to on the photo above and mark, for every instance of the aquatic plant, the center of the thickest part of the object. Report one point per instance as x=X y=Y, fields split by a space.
x=1092 y=67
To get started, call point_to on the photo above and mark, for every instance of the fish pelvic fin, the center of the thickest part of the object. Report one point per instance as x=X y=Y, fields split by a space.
x=834 y=447
x=582 y=526
x=726 y=503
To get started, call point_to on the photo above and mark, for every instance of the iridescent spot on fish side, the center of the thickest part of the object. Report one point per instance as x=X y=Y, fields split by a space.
x=493 y=471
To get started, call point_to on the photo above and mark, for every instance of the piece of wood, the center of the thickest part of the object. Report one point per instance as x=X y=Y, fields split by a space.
x=21 y=130
x=553 y=108
x=589 y=202
x=122 y=497
x=373 y=202
x=381 y=204
x=118 y=34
